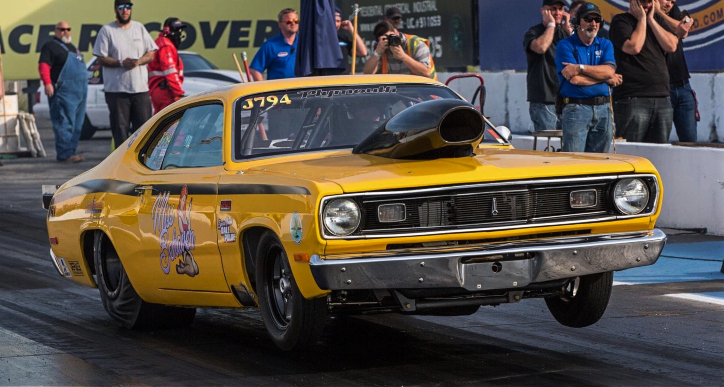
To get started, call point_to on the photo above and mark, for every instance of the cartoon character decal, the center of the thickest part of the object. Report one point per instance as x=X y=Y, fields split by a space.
x=180 y=243
x=226 y=228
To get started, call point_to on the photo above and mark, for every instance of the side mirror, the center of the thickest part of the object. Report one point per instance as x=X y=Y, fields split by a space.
x=505 y=132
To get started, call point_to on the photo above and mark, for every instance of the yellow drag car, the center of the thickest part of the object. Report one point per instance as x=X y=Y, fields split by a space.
x=312 y=197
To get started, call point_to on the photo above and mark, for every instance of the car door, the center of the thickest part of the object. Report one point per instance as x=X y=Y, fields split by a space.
x=177 y=210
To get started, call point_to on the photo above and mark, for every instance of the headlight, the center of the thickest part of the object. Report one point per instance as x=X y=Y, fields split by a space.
x=631 y=196
x=341 y=216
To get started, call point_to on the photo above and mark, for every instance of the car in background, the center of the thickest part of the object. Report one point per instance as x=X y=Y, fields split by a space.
x=199 y=75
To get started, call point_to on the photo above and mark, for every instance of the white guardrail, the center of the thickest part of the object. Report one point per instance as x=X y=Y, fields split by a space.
x=693 y=177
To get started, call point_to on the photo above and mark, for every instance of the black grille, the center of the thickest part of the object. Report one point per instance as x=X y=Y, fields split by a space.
x=463 y=208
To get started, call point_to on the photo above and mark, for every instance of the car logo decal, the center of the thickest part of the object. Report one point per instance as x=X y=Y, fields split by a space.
x=180 y=242
x=295 y=226
x=495 y=207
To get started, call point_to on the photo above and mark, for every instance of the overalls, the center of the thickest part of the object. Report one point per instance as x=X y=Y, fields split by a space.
x=67 y=105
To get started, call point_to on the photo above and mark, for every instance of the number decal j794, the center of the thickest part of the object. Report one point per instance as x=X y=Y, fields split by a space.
x=249 y=103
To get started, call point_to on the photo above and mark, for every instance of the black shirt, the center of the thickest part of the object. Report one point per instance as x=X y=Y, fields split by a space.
x=678 y=70
x=645 y=74
x=542 y=79
x=55 y=56
x=345 y=44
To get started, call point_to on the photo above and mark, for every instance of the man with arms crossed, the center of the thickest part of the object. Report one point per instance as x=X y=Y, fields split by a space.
x=585 y=64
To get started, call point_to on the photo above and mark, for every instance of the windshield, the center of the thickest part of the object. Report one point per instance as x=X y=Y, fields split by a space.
x=195 y=62
x=323 y=118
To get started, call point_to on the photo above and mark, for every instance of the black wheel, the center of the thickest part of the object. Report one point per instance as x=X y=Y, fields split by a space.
x=120 y=298
x=88 y=129
x=293 y=322
x=582 y=301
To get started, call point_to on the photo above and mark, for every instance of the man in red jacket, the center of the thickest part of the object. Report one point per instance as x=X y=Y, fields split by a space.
x=166 y=71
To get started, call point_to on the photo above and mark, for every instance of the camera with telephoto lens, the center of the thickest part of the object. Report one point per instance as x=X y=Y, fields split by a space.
x=394 y=40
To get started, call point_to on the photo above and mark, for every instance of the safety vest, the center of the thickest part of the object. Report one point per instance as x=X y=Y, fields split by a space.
x=412 y=43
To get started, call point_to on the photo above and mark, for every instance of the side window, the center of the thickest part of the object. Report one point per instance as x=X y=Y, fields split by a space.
x=192 y=140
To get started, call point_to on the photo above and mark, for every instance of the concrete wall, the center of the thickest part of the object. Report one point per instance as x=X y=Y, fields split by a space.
x=506 y=101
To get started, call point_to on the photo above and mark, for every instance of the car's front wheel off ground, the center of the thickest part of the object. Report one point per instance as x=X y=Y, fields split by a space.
x=582 y=301
x=292 y=321
x=120 y=298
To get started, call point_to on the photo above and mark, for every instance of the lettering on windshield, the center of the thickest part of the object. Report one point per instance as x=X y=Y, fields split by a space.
x=322 y=93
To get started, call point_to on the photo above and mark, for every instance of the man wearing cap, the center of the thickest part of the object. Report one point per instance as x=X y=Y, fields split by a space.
x=124 y=48
x=586 y=67
x=540 y=50
x=277 y=55
x=346 y=36
x=166 y=71
x=394 y=17
x=641 y=104
x=573 y=9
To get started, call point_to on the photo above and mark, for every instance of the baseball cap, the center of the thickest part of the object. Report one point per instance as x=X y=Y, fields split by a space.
x=337 y=10
x=122 y=2
x=551 y=2
x=587 y=9
x=174 y=23
x=392 y=13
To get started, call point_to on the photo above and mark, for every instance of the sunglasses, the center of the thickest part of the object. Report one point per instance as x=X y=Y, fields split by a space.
x=592 y=19
x=124 y=7
x=63 y=29
x=292 y=21
x=397 y=18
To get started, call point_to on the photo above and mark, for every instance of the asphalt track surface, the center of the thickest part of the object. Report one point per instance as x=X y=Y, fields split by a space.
x=54 y=332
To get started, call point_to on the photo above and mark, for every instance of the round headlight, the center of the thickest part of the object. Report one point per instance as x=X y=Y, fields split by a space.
x=341 y=216
x=631 y=196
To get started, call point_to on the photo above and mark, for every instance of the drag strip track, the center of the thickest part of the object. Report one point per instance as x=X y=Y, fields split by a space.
x=54 y=332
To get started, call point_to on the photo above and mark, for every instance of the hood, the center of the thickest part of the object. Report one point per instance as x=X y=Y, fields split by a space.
x=361 y=172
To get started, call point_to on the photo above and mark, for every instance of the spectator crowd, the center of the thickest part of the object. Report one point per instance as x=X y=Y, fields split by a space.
x=631 y=82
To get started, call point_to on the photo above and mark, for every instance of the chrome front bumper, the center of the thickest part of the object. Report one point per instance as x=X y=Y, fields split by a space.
x=491 y=266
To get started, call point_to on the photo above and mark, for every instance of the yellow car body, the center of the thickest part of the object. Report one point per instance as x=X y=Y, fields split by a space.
x=155 y=219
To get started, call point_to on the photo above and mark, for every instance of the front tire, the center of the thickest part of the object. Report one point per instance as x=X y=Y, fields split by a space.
x=582 y=301
x=120 y=299
x=293 y=322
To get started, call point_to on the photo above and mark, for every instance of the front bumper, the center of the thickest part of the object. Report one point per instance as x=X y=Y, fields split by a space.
x=491 y=266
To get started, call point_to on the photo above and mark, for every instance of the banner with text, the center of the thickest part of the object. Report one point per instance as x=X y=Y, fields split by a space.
x=448 y=25
x=216 y=29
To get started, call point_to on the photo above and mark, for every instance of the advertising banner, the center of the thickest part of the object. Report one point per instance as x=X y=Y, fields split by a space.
x=217 y=29
x=502 y=27
x=448 y=25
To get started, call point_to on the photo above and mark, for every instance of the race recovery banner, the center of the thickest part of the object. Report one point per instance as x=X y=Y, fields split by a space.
x=217 y=28
x=448 y=25
x=503 y=25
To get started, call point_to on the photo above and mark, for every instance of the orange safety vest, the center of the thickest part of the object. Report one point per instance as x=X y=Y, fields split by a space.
x=412 y=43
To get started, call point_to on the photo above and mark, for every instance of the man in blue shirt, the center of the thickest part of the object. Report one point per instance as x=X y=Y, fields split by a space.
x=586 y=68
x=278 y=54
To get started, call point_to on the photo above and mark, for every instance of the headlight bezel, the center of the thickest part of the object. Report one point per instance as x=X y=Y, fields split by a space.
x=651 y=182
x=328 y=232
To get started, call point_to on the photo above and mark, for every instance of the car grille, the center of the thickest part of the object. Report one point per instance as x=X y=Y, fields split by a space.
x=482 y=208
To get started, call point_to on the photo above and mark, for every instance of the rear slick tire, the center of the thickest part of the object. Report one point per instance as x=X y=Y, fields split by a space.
x=293 y=322
x=120 y=299
x=582 y=301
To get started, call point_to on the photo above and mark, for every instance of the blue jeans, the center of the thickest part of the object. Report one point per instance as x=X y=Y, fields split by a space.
x=644 y=119
x=684 y=104
x=544 y=116
x=586 y=128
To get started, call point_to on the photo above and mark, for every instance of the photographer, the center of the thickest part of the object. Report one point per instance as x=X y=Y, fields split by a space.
x=399 y=53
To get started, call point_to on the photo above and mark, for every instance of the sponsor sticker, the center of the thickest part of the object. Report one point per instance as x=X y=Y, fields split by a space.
x=328 y=93
x=226 y=228
x=76 y=268
x=225 y=205
x=64 y=267
x=295 y=227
